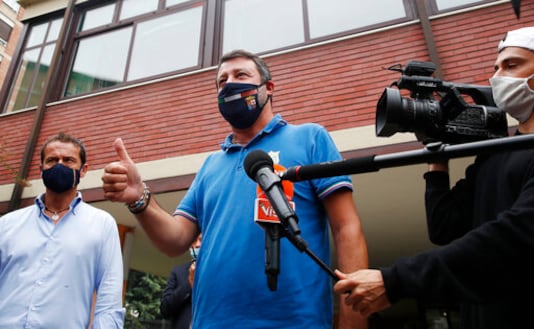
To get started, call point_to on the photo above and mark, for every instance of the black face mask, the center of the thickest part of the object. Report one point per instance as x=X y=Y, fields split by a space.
x=239 y=104
x=60 y=178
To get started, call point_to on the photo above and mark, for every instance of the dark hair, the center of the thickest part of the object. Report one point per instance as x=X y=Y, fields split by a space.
x=65 y=138
x=262 y=67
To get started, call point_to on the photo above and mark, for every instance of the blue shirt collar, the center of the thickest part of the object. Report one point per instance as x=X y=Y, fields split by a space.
x=75 y=202
x=274 y=124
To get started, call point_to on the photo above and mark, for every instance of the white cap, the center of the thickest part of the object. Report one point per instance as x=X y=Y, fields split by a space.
x=523 y=38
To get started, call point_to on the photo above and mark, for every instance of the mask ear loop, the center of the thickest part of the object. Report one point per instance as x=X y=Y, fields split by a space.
x=527 y=80
x=194 y=254
x=270 y=97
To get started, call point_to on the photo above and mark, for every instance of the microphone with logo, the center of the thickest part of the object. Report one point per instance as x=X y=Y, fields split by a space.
x=264 y=212
x=260 y=168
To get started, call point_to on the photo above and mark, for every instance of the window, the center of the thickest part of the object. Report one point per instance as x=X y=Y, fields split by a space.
x=288 y=23
x=166 y=44
x=34 y=64
x=141 y=49
x=258 y=25
x=5 y=29
x=331 y=17
x=100 y=62
x=97 y=17
x=448 y=4
x=436 y=6
x=131 y=8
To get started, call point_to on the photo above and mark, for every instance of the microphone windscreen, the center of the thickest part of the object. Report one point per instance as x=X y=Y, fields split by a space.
x=256 y=160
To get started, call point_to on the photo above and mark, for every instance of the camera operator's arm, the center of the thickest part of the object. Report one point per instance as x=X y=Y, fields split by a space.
x=448 y=210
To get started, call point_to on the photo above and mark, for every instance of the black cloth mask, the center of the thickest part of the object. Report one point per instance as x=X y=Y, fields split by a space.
x=239 y=104
x=60 y=178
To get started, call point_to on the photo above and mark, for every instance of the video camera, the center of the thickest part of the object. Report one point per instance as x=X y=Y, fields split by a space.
x=437 y=110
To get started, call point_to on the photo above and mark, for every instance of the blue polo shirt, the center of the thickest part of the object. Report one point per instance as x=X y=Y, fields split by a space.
x=230 y=285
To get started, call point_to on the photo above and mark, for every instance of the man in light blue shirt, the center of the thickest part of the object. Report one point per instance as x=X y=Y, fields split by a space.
x=56 y=254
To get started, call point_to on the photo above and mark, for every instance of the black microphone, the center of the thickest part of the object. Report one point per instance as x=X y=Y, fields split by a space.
x=272 y=253
x=330 y=169
x=273 y=229
x=259 y=167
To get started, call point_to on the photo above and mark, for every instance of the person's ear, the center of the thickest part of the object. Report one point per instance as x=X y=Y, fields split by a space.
x=83 y=169
x=269 y=86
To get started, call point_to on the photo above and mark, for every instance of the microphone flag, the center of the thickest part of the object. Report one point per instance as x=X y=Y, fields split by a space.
x=263 y=210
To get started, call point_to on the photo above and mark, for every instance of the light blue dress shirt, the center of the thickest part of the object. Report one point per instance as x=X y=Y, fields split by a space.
x=48 y=272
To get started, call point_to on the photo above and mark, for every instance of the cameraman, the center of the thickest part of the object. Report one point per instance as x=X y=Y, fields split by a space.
x=485 y=223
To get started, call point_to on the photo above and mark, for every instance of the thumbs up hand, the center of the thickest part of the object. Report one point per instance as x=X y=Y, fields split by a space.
x=121 y=179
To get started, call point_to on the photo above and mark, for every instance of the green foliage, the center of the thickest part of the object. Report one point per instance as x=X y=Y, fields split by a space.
x=143 y=295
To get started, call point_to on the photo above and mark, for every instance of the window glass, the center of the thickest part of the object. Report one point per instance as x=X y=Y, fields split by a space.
x=55 y=27
x=166 y=44
x=33 y=66
x=334 y=16
x=97 y=17
x=131 y=8
x=100 y=62
x=42 y=71
x=258 y=25
x=174 y=2
x=33 y=75
x=37 y=35
x=447 y=4
x=27 y=70
x=5 y=30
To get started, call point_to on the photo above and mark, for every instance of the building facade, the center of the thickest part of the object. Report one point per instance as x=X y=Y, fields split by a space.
x=145 y=71
x=10 y=30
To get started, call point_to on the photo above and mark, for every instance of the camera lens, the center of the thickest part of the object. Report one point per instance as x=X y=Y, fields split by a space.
x=389 y=113
x=395 y=113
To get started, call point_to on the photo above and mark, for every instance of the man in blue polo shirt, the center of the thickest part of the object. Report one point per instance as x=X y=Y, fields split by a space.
x=230 y=288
